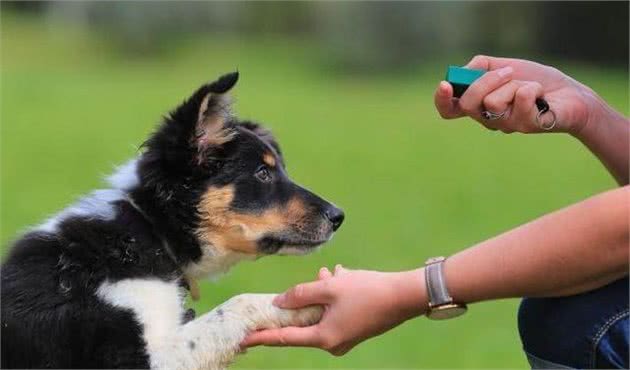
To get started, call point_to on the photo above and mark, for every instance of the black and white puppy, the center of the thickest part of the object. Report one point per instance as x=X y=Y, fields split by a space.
x=102 y=284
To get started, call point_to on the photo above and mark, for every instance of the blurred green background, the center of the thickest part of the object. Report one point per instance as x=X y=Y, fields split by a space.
x=347 y=88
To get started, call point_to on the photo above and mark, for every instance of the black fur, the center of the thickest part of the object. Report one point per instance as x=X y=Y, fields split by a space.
x=51 y=317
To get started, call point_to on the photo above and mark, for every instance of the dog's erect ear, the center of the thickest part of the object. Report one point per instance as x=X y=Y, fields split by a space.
x=213 y=112
x=224 y=83
x=201 y=122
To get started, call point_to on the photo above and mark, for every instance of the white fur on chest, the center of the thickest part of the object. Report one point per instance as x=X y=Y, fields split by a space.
x=157 y=305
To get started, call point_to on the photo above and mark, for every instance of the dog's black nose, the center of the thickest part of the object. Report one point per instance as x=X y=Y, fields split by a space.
x=335 y=216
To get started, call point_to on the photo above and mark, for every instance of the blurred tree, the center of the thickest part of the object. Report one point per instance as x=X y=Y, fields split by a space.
x=370 y=36
x=379 y=35
x=591 y=30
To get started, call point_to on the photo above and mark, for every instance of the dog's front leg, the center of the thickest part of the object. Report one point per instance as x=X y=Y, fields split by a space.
x=212 y=341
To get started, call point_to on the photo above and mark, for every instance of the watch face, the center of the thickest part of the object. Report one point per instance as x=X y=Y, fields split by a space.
x=447 y=311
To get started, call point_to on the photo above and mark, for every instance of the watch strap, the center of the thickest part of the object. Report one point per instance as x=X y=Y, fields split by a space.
x=436 y=284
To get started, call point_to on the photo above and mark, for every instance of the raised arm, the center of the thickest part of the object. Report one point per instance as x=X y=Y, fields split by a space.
x=607 y=135
x=512 y=86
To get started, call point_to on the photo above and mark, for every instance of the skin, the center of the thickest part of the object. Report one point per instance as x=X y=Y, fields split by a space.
x=551 y=256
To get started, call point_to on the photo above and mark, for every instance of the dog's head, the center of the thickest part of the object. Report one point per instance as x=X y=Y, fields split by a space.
x=223 y=181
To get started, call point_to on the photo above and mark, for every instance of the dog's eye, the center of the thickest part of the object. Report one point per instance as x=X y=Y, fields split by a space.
x=263 y=174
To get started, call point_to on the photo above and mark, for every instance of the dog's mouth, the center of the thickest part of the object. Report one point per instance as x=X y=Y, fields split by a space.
x=283 y=245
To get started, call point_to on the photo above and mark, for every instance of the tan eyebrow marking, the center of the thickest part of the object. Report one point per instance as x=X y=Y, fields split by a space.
x=269 y=159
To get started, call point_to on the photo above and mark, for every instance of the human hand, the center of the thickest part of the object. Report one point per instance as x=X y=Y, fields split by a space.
x=512 y=86
x=359 y=305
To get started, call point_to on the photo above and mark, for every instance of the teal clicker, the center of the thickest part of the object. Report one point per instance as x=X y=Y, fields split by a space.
x=460 y=78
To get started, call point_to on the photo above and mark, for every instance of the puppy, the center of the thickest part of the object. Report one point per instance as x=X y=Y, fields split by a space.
x=102 y=284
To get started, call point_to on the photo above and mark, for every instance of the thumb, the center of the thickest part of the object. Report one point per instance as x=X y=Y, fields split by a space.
x=306 y=294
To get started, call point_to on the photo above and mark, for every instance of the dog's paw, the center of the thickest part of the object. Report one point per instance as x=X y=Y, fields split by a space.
x=298 y=317
x=259 y=312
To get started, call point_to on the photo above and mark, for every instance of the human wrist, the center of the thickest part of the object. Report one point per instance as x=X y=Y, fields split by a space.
x=411 y=295
x=597 y=113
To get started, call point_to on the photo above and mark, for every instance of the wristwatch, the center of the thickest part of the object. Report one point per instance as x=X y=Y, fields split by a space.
x=441 y=305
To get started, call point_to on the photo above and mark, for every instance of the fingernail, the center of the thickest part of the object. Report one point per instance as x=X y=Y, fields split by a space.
x=505 y=71
x=279 y=300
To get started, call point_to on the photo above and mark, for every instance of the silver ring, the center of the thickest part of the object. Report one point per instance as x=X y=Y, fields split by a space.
x=549 y=125
x=491 y=116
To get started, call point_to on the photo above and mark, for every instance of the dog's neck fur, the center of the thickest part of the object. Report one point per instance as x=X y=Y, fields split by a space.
x=196 y=259
x=215 y=261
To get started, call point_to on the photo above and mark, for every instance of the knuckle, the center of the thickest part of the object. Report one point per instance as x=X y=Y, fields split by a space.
x=478 y=58
x=521 y=96
x=495 y=78
x=281 y=338
x=537 y=85
x=525 y=93
x=530 y=85
x=329 y=342
x=467 y=107
x=297 y=292
x=491 y=103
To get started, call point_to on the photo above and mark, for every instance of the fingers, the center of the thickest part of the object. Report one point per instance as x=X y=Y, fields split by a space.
x=524 y=110
x=517 y=99
x=340 y=270
x=472 y=100
x=443 y=98
x=324 y=273
x=289 y=336
x=305 y=294
x=488 y=63
x=500 y=99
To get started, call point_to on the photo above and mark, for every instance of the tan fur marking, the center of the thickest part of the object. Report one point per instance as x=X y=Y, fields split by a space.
x=239 y=232
x=269 y=159
x=195 y=293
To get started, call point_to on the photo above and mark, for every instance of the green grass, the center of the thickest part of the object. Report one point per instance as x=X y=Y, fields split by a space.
x=412 y=185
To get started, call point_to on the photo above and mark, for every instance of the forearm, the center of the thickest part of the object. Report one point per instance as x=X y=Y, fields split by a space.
x=607 y=135
x=576 y=249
